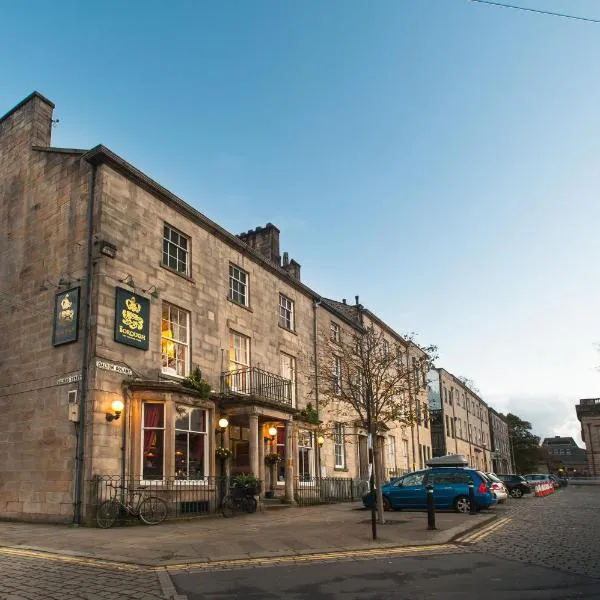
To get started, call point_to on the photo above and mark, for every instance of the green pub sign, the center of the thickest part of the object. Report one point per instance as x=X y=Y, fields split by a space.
x=66 y=317
x=132 y=319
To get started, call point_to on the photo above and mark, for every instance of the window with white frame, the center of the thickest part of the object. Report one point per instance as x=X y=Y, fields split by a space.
x=286 y=312
x=175 y=250
x=405 y=454
x=239 y=362
x=334 y=332
x=337 y=374
x=386 y=348
x=306 y=456
x=190 y=443
x=338 y=446
x=391 y=458
x=288 y=371
x=175 y=340
x=153 y=441
x=238 y=285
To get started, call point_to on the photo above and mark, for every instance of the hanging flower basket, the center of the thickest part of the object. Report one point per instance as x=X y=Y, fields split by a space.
x=223 y=453
x=272 y=458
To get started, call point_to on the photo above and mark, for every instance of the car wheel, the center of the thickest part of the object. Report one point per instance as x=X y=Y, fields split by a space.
x=462 y=504
x=386 y=504
x=516 y=492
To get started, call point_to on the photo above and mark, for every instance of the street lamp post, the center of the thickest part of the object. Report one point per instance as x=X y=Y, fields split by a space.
x=223 y=424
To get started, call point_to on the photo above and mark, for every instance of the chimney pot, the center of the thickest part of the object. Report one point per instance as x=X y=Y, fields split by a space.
x=343 y=300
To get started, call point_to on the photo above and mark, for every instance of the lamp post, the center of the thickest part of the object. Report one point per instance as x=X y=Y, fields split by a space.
x=223 y=424
x=272 y=431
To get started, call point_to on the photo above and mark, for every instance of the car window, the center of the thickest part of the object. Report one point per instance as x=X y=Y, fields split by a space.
x=459 y=477
x=413 y=479
x=440 y=478
x=493 y=477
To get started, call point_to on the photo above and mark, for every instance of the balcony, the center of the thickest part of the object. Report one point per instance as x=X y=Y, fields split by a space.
x=258 y=384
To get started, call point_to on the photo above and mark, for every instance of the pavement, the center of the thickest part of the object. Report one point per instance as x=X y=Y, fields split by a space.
x=283 y=532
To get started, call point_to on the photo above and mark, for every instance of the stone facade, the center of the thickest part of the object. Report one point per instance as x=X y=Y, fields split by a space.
x=87 y=223
x=461 y=420
x=588 y=413
x=502 y=459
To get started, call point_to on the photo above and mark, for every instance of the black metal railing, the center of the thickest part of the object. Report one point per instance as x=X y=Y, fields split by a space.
x=309 y=491
x=184 y=498
x=252 y=381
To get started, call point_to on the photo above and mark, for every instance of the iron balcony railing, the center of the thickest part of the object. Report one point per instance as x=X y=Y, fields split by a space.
x=252 y=381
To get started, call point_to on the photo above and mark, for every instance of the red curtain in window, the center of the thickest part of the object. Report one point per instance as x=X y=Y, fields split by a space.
x=152 y=418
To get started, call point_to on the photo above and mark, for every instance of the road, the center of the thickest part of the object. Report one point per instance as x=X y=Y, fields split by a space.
x=539 y=548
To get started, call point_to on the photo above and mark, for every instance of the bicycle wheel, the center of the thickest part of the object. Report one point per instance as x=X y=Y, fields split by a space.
x=229 y=507
x=107 y=513
x=250 y=504
x=153 y=510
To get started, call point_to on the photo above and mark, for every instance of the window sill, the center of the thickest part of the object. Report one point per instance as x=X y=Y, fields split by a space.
x=172 y=377
x=341 y=469
x=292 y=331
x=176 y=272
x=248 y=308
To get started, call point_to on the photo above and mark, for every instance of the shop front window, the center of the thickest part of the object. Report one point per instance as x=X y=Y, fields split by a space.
x=153 y=441
x=190 y=443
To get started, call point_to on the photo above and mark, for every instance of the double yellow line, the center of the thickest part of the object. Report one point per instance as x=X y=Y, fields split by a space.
x=481 y=534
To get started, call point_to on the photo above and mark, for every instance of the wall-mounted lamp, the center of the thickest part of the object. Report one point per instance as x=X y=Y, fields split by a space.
x=320 y=440
x=152 y=291
x=108 y=249
x=128 y=280
x=117 y=407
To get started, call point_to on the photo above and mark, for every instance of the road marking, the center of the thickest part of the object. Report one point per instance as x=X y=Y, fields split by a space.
x=240 y=563
x=92 y=562
x=481 y=534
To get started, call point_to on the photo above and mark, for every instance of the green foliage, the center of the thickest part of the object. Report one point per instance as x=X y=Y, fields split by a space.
x=525 y=445
x=310 y=415
x=272 y=458
x=223 y=453
x=244 y=480
x=195 y=382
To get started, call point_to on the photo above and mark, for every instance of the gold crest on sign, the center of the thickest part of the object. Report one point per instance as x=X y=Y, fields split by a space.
x=133 y=305
x=67 y=313
x=130 y=317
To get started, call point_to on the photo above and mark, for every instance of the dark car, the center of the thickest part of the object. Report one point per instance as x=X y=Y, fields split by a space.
x=558 y=481
x=517 y=486
x=450 y=489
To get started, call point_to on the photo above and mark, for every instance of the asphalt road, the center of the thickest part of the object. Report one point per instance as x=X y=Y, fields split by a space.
x=469 y=575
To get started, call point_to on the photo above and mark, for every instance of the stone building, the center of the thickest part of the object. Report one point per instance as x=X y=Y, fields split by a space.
x=502 y=459
x=565 y=457
x=115 y=291
x=588 y=413
x=460 y=421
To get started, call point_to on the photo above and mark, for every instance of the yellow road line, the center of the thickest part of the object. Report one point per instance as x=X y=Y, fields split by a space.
x=481 y=534
x=324 y=556
x=92 y=562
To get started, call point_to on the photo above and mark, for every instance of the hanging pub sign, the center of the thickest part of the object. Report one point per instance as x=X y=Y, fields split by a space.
x=132 y=319
x=66 y=317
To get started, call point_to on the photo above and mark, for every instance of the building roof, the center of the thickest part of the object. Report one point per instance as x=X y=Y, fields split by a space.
x=557 y=440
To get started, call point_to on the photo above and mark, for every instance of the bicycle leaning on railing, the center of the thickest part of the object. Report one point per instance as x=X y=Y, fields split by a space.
x=239 y=499
x=152 y=510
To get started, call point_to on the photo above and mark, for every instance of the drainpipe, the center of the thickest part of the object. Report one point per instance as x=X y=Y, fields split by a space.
x=85 y=341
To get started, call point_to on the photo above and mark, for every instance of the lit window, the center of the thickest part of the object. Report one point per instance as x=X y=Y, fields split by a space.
x=238 y=285
x=286 y=312
x=174 y=340
x=153 y=437
x=175 y=250
x=190 y=443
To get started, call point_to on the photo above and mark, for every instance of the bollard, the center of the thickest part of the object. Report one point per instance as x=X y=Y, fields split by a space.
x=430 y=508
x=472 y=507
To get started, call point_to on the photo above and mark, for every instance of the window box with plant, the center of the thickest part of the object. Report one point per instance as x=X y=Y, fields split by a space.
x=223 y=453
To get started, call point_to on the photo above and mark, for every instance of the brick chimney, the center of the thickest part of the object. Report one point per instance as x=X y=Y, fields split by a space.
x=28 y=124
x=291 y=267
x=265 y=240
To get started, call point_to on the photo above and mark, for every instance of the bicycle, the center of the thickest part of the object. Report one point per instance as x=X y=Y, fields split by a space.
x=238 y=501
x=150 y=509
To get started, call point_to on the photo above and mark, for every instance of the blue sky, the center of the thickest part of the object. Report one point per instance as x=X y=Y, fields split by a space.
x=436 y=157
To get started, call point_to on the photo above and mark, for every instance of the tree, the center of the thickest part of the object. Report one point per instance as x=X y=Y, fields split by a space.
x=527 y=453
x=468 y=383
x=374 y=380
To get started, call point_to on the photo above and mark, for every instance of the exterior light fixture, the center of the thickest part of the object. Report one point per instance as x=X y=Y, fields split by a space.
x=320 y=440
x=117 y=407
x=272 y=432
x=108 y=249
x=223 y=422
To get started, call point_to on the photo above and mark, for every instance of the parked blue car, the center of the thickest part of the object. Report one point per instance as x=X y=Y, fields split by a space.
x=450 y=490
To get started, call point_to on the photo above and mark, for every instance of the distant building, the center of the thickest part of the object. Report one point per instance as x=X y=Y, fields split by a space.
x=565 y=456
x=588 y=413
x=502 y=452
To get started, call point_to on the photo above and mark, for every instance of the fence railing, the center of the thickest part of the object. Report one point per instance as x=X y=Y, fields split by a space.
x=257 y=382
x=184 y=498
x=309 y=491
